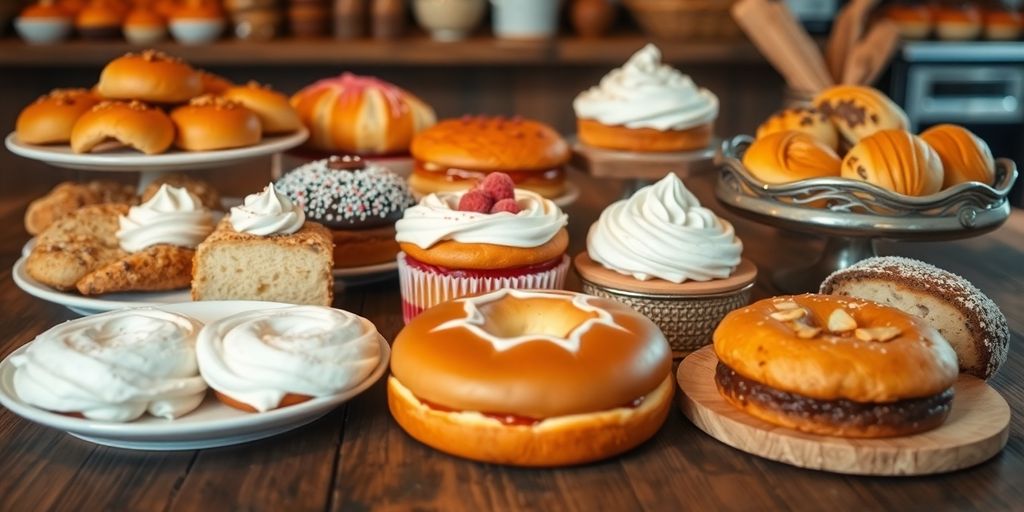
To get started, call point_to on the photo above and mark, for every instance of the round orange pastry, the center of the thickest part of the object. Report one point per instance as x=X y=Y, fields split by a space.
x=149 y=76
x=361 y=115
x=276 y=114
x=858 y=111
x=133 y=124
x=43 y=23
x=99 y=20
x=1003 y=25
x=787 y=156
x=531 y=378
x=197 y=21
x=895 y=160
x=209 y=123
x=914 y=19
x=143 y=26
x=457 y=153
x=808 y=120
x=835 y=366
x=214 y=83
x=958 y=22
x=965 y=157
x=49 y=119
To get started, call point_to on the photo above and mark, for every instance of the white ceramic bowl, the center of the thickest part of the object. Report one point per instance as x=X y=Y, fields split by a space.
x=196 y=31
x=144 y=35
x=43 y=30
x=525 y=19
x=449 y=20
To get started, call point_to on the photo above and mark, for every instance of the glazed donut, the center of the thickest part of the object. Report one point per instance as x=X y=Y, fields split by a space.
x=531 y=378
x=835 y=366
x=276 y=114
x=271 y=358
x=962 y=313
x=49 y=119
x=133 y=124
x=149 y=76
x=358 y=201
x=209 y=123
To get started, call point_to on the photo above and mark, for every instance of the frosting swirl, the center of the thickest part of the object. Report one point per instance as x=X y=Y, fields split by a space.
x=172 y=216
x=644 y=93
x=258 y=357
x=267 y=213
x=437 y=218
x=114 y=366
x=663 y=232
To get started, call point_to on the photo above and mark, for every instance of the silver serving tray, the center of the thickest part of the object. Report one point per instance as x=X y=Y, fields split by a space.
x=851 y=208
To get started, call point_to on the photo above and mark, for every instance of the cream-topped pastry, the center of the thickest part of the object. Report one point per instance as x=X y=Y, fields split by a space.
x=114 y=366
x=663 y=232
x=645 y=93
x=267 y=213
x=437 y=218
x=172 y=216
x=261 y=360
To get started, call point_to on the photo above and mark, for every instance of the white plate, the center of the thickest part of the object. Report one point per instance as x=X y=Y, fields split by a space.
x=131 y=160
x=91 y=305
x=212 y=424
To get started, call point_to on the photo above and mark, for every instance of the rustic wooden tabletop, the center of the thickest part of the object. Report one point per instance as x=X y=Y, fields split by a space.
x=356 y=458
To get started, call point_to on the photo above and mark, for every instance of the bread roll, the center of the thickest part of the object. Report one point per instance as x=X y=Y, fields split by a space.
x=809 y=120
x=149 y=76
x=965 y=157
x=134 y=124
x=49 y=119
x=788 y=156
x=859 y=111
x=214 y=83
x=272 y=107
x=209 y=123
x=895 y=160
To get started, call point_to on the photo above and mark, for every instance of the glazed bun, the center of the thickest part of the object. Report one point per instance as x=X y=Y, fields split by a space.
x=835 y=366
x=489 y=143
x=788 y=156
x=361 y=115
x=213 y=83
x=209 y=123
x=965 y=157
x=859 y=111
x=895 y=160
x=275 y=113
x=809 y=120
x=149 y=76
x=532 y=378
x=49 y=119
x=133 y=124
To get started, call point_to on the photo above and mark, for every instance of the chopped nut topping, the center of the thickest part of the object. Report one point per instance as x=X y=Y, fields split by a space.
x=209 y=100
x=805 y=332
x=791 y=314
x=785 y=305
x=841 y=321
x=882 y=334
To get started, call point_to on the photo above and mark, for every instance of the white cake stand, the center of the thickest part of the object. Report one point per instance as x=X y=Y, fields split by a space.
x=119 y=159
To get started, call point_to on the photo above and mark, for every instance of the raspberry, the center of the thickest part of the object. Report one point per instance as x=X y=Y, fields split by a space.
x=506 y=205
x=498 y=185
x=475 y=201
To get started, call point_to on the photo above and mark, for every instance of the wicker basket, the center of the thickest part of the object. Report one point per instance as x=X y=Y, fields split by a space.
x=685 y=19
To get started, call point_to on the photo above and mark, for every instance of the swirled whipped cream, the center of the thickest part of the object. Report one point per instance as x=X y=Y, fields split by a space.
x=663 y=232
x=172 y=216
x=114 y=366
x=258 y=357
x=267 y=213
x=437 y=218
x=644 y=93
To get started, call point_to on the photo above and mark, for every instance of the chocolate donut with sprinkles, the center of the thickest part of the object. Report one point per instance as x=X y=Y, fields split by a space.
x=358 y=200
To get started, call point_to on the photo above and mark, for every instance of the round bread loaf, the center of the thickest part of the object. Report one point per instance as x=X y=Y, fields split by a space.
x=895 y=160
x=276 y=114
x=209 y=123
x=149 y=76
x=49 y=119
x=965 y=157
x=788 y=156
x=964 y=315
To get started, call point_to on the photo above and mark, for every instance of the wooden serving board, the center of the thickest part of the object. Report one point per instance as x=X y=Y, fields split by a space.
x=976 y=430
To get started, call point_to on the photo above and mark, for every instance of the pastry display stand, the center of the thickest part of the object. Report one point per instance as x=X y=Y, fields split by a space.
x=852 y=214
x=114 y=159
x=639 y=169
x=977 y=429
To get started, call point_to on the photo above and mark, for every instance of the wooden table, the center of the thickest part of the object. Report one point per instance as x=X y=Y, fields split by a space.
x=356 y=458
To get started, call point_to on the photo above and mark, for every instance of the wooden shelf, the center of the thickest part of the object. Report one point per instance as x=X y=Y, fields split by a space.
x=409 y=51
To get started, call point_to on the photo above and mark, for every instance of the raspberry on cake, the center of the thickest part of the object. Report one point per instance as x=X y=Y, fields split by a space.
x=266 y=250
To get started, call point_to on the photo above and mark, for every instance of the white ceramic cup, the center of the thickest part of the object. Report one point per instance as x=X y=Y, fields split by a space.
x=43 y=30
x=449 y=20
x=526 y=19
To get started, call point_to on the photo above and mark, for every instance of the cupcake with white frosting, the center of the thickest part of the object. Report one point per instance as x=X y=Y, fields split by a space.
x=114 y=367
x=464 y=243
x=265 y=249
x=262 y=360
x=646 y=106
x=672 y=259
